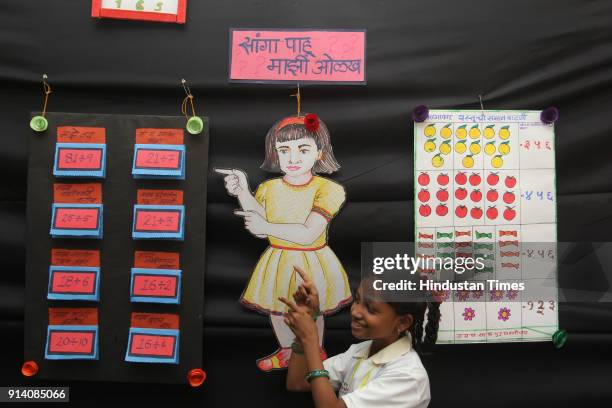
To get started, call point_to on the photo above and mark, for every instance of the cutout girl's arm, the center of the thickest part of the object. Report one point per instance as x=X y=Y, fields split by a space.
x=302 y=234
x=237 y=185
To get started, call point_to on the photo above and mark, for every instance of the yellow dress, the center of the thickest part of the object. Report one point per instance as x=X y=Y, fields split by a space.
x=274 y=275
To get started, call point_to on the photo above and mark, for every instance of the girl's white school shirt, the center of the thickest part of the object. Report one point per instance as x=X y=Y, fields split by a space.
x=392 y=378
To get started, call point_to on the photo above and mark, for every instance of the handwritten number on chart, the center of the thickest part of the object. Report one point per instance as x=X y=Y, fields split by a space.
x=539 y=306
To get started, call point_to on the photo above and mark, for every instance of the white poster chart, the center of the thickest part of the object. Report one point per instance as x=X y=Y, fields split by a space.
x=485 y=186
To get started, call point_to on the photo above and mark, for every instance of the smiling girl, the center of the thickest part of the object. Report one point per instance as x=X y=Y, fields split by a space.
x=384 y=371
x=293 y=212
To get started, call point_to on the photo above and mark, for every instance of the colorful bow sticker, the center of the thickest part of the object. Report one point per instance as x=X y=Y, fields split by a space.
x=483 y=235
x=425 y=245
x=510 y=265
x=445 y=244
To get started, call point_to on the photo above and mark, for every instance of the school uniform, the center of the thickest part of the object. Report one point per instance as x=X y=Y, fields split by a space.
x=392 y=378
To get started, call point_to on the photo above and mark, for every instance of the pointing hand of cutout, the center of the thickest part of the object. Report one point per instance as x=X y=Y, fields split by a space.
x=253 y=222
x=235 y=181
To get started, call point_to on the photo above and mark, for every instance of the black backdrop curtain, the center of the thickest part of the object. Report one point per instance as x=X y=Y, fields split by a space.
x=518 y=55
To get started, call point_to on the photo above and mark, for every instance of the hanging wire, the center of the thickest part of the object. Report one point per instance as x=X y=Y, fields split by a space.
x=47 y=90
x=187 y=100
x=298 y=96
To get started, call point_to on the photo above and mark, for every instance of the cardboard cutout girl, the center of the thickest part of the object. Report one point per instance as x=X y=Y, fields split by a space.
x=293 y=212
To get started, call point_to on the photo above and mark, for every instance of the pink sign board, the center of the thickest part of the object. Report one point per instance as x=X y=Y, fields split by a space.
x=73 y=342
x=280 y=56
x=89 y=159
x=158 y=159
x=155 y=285
x=73 y=282
x=161 y=221
x=152 y=345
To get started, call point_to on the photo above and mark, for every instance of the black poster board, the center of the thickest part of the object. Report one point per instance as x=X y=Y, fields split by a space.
x=116 y=251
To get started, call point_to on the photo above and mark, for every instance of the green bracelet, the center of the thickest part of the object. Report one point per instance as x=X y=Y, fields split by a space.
x=297 y=348
x=316 y=374
x=315 y=315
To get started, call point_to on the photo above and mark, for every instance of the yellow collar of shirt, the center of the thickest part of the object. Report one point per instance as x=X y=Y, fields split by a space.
x=390 y=353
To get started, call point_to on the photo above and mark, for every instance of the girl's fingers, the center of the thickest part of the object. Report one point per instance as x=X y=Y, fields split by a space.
x=303 y=294
x=299 y=297
x=306 y=282
x=312 y=289
x=302 y=273
x=289 y=303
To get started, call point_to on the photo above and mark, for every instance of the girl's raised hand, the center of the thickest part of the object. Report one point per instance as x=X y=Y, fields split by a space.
x=300 y=321
x=307 y=291
x=235 y=181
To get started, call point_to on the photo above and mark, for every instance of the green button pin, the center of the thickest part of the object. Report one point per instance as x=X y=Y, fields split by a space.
x=39 y=123
x=559 y=338
x=195 y=125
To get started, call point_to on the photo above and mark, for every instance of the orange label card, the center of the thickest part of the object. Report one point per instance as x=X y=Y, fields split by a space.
x=155 y=320
x=81 y=134
x=66 y=316
x=159 y=197
x=156 y=260
x=82 y=193
x=75 y=257
x=160 y=136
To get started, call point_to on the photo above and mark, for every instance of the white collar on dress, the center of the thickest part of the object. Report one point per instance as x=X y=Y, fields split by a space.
x=392 y=352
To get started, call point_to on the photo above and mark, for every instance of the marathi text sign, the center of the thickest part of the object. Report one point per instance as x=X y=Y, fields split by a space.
x=327 y=56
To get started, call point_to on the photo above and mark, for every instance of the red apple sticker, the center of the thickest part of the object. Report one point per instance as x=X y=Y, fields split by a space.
x=423 y=195
x=476 y=213
x=508 y=197
x=441 y=210
x=442 y=195
x=492 y=179
x=461 y=211
x=443 y=179
x=492 y=195
x=509 y=213
x=423 y=179
x=510 y=181
x=460 y=193
x=492 y=213
x=461 y=178
x=425 y=210
x=476 y=196
x=475 y=179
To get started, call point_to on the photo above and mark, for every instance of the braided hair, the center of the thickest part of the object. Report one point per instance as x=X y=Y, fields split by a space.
x=423 y=305
x=418 y=311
